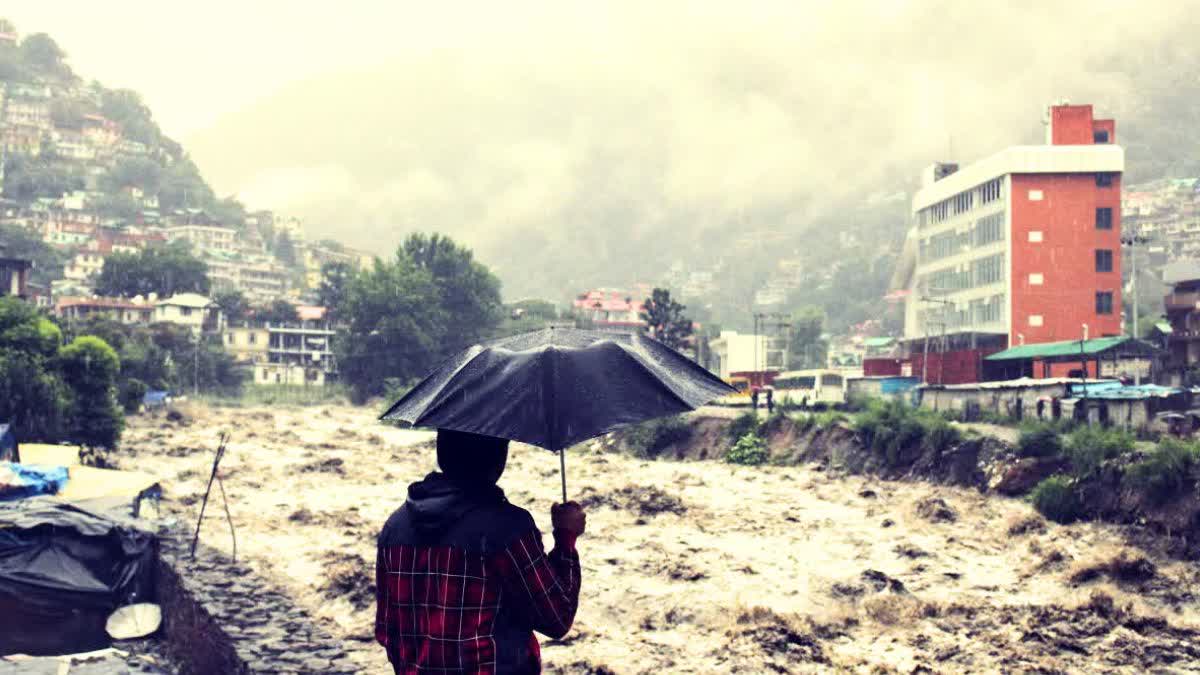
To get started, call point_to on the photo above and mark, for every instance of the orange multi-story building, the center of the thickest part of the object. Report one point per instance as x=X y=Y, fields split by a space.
x=1021 y=247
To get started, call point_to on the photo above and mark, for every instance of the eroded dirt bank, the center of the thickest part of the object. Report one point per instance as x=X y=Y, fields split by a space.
x=698 y=566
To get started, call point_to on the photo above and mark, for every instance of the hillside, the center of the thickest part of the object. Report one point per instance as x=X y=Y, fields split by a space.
x=64 y=135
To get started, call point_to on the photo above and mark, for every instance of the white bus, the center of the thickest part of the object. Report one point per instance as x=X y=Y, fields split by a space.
x=810 y=387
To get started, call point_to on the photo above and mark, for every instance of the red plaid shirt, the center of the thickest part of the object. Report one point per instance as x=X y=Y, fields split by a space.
x=437 y=606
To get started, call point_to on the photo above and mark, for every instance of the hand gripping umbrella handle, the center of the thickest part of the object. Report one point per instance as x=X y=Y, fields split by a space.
x=562 y=471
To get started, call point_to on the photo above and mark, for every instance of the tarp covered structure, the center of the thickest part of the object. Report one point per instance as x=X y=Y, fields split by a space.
x=64 y=568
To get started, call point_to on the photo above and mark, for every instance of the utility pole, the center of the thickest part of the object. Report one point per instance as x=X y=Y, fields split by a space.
x=1132 y=242
x=925 y=358
x=196 y=366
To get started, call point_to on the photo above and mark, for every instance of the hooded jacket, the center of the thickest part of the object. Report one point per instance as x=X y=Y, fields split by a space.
x=462 y=581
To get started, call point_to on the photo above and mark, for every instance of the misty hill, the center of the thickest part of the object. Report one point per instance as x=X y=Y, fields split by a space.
x=609 y=155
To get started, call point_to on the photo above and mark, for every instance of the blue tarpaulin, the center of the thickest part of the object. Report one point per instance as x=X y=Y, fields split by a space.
x=153 y=399
x=18 y=481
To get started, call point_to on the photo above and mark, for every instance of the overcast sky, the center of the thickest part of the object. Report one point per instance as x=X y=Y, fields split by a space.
x=485 y=120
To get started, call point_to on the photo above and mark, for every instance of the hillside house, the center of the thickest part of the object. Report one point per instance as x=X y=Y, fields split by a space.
x=136 y=312
x=189 y=309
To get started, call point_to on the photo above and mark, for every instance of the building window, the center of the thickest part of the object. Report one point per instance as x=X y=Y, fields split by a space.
x=186 y=311
x=1104 y=218
x=1100 y=136
x=1035 y=195
x=1035 y=320
x=1104 y=302
x=1104 y=179
x=1035 y=236
x=1104 y=260
x=1036 y=279
x=989 y=229
x=989 y=191
x=253 y=338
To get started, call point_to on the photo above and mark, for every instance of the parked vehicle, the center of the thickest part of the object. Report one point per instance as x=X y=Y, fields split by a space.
x=742 y=397
x=810 y=387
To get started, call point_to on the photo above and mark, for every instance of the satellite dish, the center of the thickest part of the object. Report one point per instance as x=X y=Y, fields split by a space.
x=134 y=621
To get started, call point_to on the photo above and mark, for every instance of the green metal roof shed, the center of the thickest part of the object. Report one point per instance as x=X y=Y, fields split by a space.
x=1068 y=349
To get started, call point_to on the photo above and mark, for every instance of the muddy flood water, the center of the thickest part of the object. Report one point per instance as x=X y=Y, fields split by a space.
x=702 y=566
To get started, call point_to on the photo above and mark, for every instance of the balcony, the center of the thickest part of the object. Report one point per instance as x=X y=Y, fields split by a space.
x=1184 y=301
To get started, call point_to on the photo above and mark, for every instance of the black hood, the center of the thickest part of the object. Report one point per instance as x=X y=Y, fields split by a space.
x=436 y=502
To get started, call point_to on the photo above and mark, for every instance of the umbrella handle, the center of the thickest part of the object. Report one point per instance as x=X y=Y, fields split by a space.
x=562 y=471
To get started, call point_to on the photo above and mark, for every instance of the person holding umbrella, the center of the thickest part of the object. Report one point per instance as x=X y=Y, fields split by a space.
x=461 y=576
x=462 y=579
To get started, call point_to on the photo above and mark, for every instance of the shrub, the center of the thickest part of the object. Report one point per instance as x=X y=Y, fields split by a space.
x=890 y=427
x=131 y=393
x=648 y=439
x=746 y=423
x=1165 y=472
x=940 y=436
x=749 y=450
x=1039 y=441
x=1055 y=498
x=1089 y=446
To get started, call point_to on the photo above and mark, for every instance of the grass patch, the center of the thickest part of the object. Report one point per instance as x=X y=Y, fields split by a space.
x=1165 y=472
x=1039 y=440
x=1056 y=499
x=649 y=439
x=750 y=450
x=1088 y=447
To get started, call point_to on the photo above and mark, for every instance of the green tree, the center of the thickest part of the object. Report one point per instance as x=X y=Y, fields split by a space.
x=67 y=113
x=139 y=172
x=42 y=55
x=126 y=108
x=90 y=368
x=335 y=280
x=233 y=304
x=165 y=270
x=467 y=291
x=279 y=311
x=665 y=320
x=33 y=397
x=285 y=249
x=395 y=326
x=28 y=178
x=807 y=349
x=17 y=242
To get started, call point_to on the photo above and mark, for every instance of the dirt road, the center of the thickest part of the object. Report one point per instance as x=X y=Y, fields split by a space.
x=706 y=567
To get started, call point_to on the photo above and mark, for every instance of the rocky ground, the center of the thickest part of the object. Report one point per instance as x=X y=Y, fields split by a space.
x=699 y=566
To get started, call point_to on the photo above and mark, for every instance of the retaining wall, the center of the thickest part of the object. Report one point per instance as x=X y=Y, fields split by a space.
x=220 y=617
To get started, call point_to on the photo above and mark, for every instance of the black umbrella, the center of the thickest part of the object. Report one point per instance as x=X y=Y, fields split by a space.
x=556 y=387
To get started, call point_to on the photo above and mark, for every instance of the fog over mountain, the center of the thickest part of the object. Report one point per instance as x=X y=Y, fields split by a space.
x=581 y=145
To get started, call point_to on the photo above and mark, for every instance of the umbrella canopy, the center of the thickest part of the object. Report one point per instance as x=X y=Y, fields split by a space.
x=556 y=387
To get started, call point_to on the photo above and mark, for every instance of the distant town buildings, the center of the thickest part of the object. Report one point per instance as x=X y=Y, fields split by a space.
x=1021 y=247
x=611 y=309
